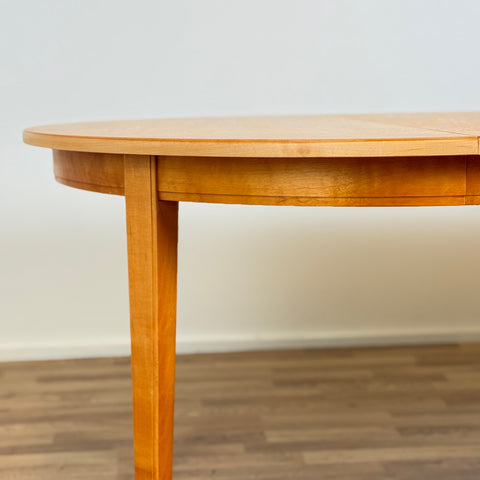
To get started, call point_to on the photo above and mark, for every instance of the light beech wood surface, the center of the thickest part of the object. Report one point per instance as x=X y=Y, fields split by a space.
x=467 y=123
x=358 y=160
x=363 y=181
x=273 y=136
x=152 y=228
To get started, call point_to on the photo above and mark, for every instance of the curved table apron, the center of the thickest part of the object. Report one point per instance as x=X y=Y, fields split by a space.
x=373 y=161
x=371 y=181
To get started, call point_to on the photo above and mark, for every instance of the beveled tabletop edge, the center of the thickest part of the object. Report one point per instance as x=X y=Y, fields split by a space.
x=282 y=136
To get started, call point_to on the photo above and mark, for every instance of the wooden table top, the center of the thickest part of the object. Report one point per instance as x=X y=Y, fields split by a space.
x=378 y=135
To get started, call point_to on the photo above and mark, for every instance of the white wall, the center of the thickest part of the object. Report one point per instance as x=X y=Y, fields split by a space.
x=249 y=277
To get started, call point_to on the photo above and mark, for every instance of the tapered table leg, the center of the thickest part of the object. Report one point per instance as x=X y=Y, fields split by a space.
x=152 y=227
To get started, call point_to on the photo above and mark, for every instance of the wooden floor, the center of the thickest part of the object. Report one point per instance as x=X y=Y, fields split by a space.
x=357 y=414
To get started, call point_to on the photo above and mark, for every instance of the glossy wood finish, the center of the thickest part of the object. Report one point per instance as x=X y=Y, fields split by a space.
x=283 y=136
x=374 y=181
x=409 y=413
x=313 y=181
x=152 y=260
x=96 y=172
x=357 y=160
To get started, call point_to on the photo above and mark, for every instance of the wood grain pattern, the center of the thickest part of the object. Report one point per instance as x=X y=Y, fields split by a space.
x=321 y=201
x=473 y=176
x=466 y=123
x=316 y=160
x=374 y=181
x=96 y=172
x=394 y=413
x=282 y=136
x=472 y=200
x=285 y=181
x=152 y=227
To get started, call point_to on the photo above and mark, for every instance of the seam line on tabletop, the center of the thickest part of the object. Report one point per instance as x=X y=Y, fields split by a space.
x=389 y=122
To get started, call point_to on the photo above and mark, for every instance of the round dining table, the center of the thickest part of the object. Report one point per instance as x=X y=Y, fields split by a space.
x=421 y=159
